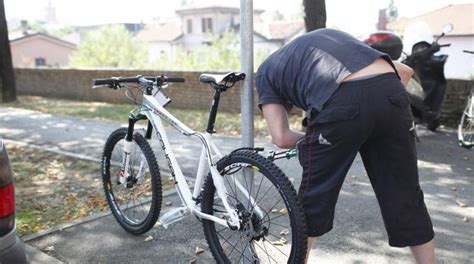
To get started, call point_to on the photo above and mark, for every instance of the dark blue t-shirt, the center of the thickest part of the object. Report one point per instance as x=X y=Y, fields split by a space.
x=307 y=71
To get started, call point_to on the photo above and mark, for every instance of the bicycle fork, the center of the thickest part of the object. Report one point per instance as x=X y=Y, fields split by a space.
x=124 y=174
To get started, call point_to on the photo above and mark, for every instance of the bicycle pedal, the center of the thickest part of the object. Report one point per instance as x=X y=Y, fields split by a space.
x=174 y=215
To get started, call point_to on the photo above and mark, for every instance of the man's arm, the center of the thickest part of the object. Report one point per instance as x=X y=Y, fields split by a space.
x=277 y=121
x=404 y=72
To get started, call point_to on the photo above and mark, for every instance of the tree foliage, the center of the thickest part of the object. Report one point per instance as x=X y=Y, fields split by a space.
x=315 y=14
x=7 y=79
x=113 y=47
x=392 y=11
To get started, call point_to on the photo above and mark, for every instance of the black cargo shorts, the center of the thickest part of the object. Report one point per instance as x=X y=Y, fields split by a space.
x=373 y=117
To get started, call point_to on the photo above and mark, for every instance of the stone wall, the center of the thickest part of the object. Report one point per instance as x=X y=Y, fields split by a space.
x=76 y=85
x=455 y=101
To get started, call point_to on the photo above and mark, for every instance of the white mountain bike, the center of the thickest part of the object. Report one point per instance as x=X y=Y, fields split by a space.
x=466 y=125
x=249 y=209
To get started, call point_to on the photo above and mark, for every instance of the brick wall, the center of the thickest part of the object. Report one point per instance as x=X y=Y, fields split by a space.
x=76 y=85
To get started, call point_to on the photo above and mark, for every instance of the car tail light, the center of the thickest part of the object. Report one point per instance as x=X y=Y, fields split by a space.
x=374 y=38
x=7 y=200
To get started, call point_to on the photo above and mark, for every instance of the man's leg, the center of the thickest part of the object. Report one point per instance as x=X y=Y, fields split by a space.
x=309 y=247
x=424 y=254
x=390 y=159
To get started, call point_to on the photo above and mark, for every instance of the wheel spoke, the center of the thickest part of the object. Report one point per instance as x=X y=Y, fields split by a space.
x=266 y=193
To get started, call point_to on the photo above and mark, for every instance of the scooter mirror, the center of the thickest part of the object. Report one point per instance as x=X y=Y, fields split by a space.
x=447 y=28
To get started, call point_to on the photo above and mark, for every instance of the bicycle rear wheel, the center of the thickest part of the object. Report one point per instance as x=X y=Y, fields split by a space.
x=466 y=128
x=135 y=204
x=273 y=227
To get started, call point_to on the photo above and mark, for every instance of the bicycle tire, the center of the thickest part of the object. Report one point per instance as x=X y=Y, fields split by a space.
x=465 y=128
x=150 y=184
x=295 y=224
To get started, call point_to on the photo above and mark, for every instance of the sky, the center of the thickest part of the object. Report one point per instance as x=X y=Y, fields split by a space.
x=356 y=17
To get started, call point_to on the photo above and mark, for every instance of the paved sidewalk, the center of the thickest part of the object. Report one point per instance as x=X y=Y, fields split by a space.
x=358 y=235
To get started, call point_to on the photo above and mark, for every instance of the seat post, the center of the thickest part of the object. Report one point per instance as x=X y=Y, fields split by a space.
x=213 y=112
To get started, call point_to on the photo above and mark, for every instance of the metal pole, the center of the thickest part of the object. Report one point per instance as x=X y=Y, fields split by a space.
x=246 y=66
x=246 y=91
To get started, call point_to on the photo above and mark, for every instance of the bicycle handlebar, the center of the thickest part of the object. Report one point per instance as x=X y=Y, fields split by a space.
x=468 y=51
x=115 y=81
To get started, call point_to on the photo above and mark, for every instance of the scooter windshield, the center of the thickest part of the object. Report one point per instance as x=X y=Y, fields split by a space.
x=414 y=33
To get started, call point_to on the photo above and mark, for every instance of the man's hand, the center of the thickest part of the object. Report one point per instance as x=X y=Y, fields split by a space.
x=277 y=121
x=404 y=72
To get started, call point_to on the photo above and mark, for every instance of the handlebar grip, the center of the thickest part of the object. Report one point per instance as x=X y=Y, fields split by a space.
x=445 y=45
x=175 y=79
x=468 y=51
x=102 y=82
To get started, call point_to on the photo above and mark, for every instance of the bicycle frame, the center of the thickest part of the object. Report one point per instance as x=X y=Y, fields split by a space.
x=210 y=154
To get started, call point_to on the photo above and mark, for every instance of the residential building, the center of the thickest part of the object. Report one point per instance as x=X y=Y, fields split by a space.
x=198 y=25
x=40 y=50
x=161 y=39
x=459 y=65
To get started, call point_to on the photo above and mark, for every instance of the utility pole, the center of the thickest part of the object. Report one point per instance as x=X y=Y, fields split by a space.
x=246 y=66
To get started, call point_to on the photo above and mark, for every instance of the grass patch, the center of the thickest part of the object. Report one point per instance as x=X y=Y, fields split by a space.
x=226 y=123
x=52 y=189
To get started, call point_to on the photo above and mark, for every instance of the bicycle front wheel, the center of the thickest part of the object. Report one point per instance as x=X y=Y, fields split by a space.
x=135 y=203
x=273 y=227
x=466 y=129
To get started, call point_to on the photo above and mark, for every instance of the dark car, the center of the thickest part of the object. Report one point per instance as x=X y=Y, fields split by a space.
x=11 y=248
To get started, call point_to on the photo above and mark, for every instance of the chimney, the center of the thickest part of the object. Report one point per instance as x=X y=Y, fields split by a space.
x=24 y=27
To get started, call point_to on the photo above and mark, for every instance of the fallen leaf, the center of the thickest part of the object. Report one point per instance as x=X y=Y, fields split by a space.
x=274 y=211
x=284 y=232
x=454 y=189
x=461 y=203
x=465 y=219
x=148 y=238
x=280 y=242
x=468 y=169
x=283 y=211
x=292 y=179
x=199 y=251
x=168 y=203
x=49 y=249
x=193 y=261
x=465 y=158
x=353 y=176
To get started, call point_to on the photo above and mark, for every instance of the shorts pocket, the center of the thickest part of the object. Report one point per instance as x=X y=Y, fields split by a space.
x=338 y=113
x=401 y=111
x=400 y=99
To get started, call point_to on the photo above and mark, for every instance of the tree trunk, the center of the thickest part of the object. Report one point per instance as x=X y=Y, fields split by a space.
x=7 y=78
x=315 y=14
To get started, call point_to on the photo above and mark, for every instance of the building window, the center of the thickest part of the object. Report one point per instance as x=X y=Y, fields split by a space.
x=206 y=25
x=189 y=26
x=39 y=62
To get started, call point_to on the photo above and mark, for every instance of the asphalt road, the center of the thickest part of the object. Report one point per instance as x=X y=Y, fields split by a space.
x=446 y=176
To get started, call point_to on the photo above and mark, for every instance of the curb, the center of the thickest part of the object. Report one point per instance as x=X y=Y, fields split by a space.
x=53 y=150
x=84 y=220
x=35 y=255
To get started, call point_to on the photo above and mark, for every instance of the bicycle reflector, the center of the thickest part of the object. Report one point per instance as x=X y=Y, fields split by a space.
x=7 y=200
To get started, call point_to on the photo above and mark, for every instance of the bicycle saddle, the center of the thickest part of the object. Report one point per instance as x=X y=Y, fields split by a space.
x=231 y=78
